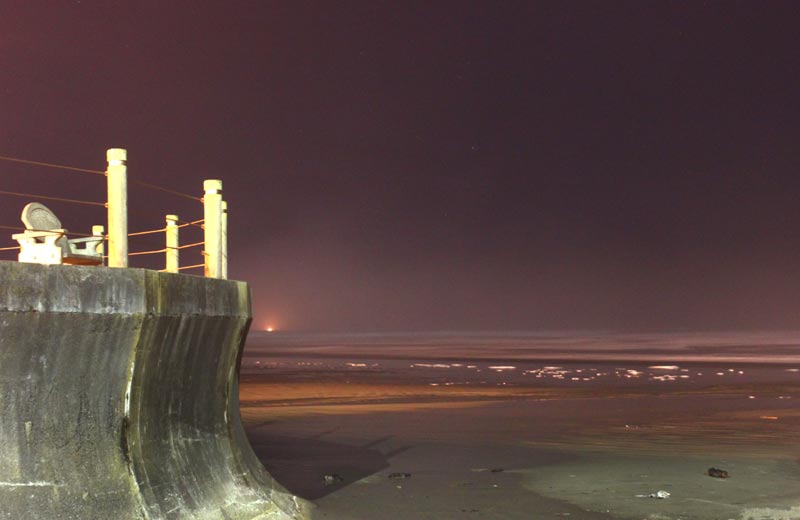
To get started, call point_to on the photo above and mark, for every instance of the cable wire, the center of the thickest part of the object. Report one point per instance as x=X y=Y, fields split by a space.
x=161 y=188
x=149 y=232
x=188 y=245
x=147 y=252
x=50 y=165
x=45 y=197
x=9 y=248
x=86 y=170
x=195 y=223
x=191 y=267
x=97 y=172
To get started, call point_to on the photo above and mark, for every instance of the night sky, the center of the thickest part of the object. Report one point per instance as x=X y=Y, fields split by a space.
x=436 y=165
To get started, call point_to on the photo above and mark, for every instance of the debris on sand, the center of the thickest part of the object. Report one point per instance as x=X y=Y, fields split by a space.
x=658 y=494
x=332 y=479
x=497 y=470
x=399 y=476
x=718 y=473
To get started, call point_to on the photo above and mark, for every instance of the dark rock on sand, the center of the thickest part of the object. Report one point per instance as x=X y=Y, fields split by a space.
x=400 y=475
x=718 y=473
x=332 y=479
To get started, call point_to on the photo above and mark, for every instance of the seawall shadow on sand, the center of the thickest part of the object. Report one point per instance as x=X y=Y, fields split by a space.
x=301 y=463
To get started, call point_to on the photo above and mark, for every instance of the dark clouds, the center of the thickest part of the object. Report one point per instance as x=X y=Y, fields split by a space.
x=444 y=165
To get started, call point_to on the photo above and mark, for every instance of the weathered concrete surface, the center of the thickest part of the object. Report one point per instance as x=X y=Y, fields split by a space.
x=119 y=398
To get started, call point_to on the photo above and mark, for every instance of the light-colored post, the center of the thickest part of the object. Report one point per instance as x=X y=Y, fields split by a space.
x=224 y=240
x=100 y=248
x=173 y=257
x=212 y=223
x=117 y=207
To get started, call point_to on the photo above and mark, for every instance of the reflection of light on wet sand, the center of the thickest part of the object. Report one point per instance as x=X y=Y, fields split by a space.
x=502 y=368
x=664 y=378
x=580 y=375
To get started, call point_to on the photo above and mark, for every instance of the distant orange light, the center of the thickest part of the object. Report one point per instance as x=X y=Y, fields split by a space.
x=270 y=329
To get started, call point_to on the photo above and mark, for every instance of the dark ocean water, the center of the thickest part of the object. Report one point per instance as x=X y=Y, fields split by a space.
x=740 y=347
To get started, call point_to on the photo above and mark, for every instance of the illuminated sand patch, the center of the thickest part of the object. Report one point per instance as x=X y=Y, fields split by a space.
x=265 y=399
x=263 y=402
x=265 y=413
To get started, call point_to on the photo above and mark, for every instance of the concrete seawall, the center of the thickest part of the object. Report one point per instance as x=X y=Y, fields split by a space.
x=119 y=398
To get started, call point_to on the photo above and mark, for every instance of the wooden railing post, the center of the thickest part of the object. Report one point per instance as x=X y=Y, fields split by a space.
x=117 y=207
x=212 y=224
x=173 y=253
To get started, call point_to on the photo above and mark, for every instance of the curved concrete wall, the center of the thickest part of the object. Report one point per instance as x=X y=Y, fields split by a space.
x=119 y=398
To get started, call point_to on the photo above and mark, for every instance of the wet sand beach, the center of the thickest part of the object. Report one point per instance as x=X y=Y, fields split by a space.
x=407 y=440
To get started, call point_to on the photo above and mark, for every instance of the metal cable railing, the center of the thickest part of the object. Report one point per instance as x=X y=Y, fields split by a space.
x=48 y=197
x=117 y=237
x=50 y=165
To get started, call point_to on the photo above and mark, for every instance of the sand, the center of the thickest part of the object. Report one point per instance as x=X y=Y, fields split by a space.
x=526 y=451
x=614 y=482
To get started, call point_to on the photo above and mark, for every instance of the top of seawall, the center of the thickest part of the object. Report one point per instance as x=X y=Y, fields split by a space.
x=53 y=288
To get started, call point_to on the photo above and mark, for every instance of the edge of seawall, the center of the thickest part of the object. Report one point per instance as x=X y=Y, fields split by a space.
x=119 y=398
